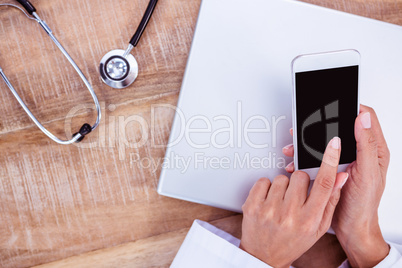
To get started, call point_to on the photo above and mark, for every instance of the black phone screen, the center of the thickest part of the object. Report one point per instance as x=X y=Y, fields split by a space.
x=326 y=106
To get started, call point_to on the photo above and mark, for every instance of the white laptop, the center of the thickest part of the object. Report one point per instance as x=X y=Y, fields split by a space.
x=234 y=109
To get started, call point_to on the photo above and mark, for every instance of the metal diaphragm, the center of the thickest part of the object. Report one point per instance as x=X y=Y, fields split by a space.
x=117 y=71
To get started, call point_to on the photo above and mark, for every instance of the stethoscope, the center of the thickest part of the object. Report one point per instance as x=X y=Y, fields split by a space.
x=118 y=68
x=86 y=128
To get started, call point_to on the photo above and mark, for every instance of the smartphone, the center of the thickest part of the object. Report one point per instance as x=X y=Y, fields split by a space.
x=325 y=105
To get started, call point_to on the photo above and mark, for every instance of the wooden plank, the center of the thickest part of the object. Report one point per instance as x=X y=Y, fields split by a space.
x=59 y=201
x=67 y=200
x=156 y=251
x=160 y=250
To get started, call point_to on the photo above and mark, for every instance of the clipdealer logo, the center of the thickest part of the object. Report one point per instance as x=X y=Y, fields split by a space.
x=210 y=140
x=202 y=161
x=327 y=115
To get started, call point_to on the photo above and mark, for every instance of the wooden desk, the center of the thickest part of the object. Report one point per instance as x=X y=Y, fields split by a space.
x=60 y=201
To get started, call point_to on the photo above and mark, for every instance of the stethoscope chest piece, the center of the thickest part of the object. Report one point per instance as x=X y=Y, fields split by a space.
x=118 y=68
x=118 y=71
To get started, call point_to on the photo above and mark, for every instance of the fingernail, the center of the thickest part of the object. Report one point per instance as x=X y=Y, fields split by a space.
x=346 y=179
x=287 y=147
x=366 y=120
x=336 y=143
x=290 y=165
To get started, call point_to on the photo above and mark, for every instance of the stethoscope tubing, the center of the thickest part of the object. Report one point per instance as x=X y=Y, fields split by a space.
x=77 y=137
x=144 y=22
x=33 y=118
x=76 y=68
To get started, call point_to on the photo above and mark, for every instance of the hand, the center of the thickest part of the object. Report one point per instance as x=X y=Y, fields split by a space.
x=281 y=222
x=356 y=218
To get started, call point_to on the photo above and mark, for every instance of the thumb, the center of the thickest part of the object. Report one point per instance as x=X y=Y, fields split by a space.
x=341 y=179
x=366 y=143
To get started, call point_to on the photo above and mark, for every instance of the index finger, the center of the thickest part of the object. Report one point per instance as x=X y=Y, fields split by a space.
x=326 y=177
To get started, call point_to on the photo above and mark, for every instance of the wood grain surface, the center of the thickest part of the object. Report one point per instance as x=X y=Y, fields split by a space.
x=159 y=251
x=60 y=201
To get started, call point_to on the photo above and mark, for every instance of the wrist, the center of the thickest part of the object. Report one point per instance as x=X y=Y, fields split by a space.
x=364 y=247
x=263 y=256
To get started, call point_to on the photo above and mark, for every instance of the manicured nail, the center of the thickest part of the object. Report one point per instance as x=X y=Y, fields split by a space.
x=287 y=147
x=366 y=120
x=290 y=165
x=346 y=179
x=336 y=143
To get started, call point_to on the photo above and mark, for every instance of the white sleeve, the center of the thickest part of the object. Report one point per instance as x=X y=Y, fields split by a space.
x=207 y=246
x=393 y=259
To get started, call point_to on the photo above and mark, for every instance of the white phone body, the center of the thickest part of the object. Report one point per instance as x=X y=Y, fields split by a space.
x=316 y=62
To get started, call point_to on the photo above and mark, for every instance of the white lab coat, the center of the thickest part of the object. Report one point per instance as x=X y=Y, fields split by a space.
x=207 y=246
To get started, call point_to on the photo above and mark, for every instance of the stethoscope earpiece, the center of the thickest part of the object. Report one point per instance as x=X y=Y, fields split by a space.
x=118 y=68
